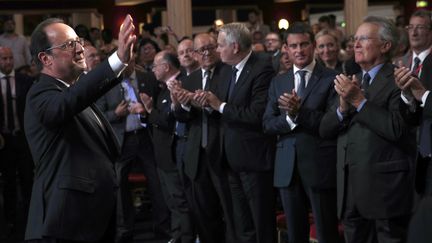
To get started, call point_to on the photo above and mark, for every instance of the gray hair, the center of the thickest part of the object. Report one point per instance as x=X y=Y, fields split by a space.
x=387 y=32
x=238 y=33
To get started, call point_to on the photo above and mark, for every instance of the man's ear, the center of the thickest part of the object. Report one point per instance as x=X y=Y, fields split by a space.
x=45 y=58
x=236 y=47
x=386 y=47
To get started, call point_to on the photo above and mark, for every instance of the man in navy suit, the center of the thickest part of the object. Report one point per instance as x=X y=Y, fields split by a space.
x=73 y=146
x=205 y=183
x=160 y=112
x=305 y=165
x=247 y=153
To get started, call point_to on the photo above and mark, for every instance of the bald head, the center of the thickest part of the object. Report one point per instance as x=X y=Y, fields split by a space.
x=6 y=60
x=185 y=52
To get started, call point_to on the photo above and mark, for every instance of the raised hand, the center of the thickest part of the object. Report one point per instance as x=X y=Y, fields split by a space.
x=126 y=39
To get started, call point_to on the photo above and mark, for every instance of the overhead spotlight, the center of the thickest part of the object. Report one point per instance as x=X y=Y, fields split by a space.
x=283 y=24
x=218 y=23
x=422 y=4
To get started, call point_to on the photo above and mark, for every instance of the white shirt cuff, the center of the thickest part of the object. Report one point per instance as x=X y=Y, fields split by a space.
x=407 y=100
x=424 y=97
x=221 y=107
x=116 y=64
x=186 y=107
x=290 y=122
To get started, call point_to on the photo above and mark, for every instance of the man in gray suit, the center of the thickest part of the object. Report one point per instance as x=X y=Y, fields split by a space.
x=376 y=148
x=123 y=109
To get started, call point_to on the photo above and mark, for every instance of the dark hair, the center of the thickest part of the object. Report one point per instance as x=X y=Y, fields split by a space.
x=146 y=41
x=107 y=36
x=82 y=31
x=39 y=40
x=171 y=59
x=299 y=28
x=423 y=13
x=324 y=19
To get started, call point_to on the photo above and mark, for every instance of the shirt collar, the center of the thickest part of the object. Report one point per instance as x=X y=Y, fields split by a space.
x=242 y=63
x=309 y=68
x=11 y=74
x=422 y=55
x=373 y=71
x=203 y=71
x=173 y=77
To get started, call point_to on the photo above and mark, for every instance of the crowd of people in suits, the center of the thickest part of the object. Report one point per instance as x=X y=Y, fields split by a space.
x=224 y=133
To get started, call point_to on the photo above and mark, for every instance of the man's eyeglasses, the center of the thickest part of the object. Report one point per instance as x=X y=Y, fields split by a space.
x=205 y=49
x=362 y=38
x=154 y=65
x=68 y=45
x=418 y=27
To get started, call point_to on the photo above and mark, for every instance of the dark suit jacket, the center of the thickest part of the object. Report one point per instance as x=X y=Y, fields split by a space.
x=316 y=157
x=377 y=149
x=246 y=146
x=426 y=71
x=74 y=189
x=108 y=103
x=163 y=124
x=194 y=121
x=22 y=85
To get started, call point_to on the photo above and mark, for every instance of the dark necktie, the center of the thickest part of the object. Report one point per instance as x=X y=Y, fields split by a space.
x=366 y=81
x=232 y=82
x=302 y=85
x=415 y=69
x=204 y=125
x=9 y=100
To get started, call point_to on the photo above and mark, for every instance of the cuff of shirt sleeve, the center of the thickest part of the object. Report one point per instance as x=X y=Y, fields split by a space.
x=186 y=107
x=424 y=97
x=339 y=114
x=291 y=122
x=221 y=107
x=116 y=64
x=360 y=107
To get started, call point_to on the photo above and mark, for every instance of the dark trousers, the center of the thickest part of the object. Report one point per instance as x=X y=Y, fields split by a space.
x=296 y=199
x=424 y=175
x=137 y=146
x=174 y=194
x=253 y=204
x=108 y=236
x=16 y=161
x=210 y=200
x=358 y=229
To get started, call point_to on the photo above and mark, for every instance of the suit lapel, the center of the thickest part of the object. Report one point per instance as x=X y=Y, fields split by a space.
x=315 y=76
x=380 y=80
x=244 y=74
x=108 y=130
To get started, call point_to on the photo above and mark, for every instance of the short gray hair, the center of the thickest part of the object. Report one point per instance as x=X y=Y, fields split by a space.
x=387 y=31
x=238 y=33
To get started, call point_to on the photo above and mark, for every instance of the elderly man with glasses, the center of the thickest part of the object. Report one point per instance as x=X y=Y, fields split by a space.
x=376 y=147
